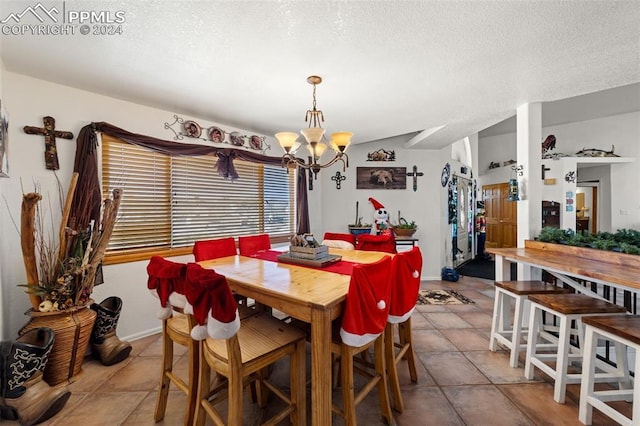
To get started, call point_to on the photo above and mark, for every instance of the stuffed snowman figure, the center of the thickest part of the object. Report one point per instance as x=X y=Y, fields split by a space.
x=380 y=218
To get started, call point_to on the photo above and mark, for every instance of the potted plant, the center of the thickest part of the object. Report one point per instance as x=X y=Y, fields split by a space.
x=405 y=228
x=60 y=275
x=358 y=227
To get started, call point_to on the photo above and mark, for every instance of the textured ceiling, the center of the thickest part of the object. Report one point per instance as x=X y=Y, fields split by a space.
x=389 y=68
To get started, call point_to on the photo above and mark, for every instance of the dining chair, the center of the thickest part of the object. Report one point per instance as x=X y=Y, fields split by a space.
x=251 y=244
x=214 y=249
x=339 y=240
x=241 y=352
x=363 y=324
x=406 y=273
x=167 y=282
x=386 y=243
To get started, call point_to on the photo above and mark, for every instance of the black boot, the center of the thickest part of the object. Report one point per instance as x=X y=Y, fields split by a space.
x=104 y=341
x=24 y=395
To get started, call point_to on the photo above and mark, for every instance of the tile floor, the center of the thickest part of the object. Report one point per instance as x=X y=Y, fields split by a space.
x=460 y=381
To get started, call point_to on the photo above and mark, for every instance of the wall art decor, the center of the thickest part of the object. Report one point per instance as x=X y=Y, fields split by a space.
x=381 y=155
x=381 y=178
x=415 y=174
x=182 y=128
x=4 y=141
x=50 y=134
x=338 y=178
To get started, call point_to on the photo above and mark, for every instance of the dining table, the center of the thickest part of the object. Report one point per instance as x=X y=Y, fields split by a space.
x=313 y=295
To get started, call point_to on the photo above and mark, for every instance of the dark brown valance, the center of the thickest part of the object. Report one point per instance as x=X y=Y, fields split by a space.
x=88 y=197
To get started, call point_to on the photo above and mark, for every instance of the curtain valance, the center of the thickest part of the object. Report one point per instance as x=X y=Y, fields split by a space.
x=87 y=199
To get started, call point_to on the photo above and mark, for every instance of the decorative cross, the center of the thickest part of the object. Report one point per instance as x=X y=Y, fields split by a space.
x=50 y=133
x=338 y=178
x=415 y=175
x=544 y=171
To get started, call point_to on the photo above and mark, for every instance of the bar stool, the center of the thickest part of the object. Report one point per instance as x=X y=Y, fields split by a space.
x=567 y=308
x=624 y=331
x=510 y=332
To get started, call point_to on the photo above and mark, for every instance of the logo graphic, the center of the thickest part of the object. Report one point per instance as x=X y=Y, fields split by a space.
x=38 y=10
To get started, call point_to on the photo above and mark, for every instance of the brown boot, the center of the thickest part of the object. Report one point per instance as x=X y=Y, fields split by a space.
x=104 y=341
x=24 y=395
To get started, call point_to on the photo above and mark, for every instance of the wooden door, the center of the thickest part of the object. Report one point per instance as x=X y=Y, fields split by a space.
x=501 y=216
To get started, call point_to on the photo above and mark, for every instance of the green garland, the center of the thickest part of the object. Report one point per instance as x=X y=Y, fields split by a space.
x=623 y=240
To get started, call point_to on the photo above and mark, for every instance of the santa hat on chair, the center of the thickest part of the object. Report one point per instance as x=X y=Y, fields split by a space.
x=407 y=267
x=166 y=282
x=367 y=306
x=210 y=301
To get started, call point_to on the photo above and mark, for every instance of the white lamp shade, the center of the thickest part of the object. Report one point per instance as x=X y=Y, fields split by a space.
x=312 y=134
x=319 y=148
x=286 y=139
x=341 y=140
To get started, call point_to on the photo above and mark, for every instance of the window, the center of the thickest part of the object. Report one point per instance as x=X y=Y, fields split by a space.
x=170 y=202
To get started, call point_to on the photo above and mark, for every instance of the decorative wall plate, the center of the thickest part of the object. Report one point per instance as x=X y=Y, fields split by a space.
x=236 y=139
x=255 y=142
x=192 y=129
x=216 y=134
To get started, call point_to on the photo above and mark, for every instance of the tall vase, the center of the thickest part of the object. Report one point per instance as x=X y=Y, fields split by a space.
x=72 y=328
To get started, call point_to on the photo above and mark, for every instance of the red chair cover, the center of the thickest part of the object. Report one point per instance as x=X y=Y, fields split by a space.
x=252 y=244
x=350 y=238
x=407 y=269
x=213 y=249
x=367 y=242
x=167 y=282
x=367 y=303
x=211 y=302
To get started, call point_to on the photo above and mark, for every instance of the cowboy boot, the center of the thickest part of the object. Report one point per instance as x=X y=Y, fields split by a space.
x=104 y=341
x=24 y=395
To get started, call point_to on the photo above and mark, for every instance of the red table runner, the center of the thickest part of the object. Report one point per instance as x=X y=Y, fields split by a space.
x=342 y=267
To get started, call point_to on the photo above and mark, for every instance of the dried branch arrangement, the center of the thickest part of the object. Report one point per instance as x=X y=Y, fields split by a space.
x=62 y=276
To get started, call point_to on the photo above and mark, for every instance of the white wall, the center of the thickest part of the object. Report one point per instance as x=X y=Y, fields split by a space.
x=3 y=219
x=423 y=206
x=623 y=131
x=28 y=101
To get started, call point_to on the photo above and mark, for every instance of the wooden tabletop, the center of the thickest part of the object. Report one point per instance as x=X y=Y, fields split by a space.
x=595 y=265
x=277 y=284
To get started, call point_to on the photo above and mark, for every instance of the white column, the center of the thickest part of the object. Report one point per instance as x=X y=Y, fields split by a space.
x=529 y=156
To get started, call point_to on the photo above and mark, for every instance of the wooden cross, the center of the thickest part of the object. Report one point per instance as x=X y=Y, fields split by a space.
x=50 y=133
x=338 y=178
x=415 y=175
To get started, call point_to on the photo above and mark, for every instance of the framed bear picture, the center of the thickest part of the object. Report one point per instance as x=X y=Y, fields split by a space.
x=381 y=178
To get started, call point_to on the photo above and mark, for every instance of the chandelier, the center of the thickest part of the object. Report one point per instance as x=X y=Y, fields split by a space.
x=314 y=140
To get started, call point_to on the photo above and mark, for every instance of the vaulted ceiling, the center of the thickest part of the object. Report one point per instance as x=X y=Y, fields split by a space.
x=389 y=67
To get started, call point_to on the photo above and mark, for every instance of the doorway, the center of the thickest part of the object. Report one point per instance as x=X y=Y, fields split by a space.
x=501 y=216
x=587 y=206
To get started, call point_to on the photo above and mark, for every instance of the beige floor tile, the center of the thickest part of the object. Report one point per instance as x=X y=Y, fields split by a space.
x=431 y=341
x=103 y=408
x=447 y=320
x=484 y=405
x=452 y=368
x=467 y=339
x=141 y=374
x=495 y=365
x=478 y=319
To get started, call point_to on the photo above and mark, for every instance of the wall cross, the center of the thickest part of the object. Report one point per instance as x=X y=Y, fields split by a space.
x=338 y=178
x=415 y=175
x=50 y=134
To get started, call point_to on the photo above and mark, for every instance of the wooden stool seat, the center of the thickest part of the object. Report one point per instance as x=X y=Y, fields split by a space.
x=576 y=304
x=567 y=308
x=510 y=332
x=624 y=331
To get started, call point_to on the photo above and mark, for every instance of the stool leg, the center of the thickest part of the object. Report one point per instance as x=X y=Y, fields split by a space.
x=516 y=335
x=588 y=372
x=562 y=361
x=636 y=393
x=497 y=306
x=534 y=323
x=622 y=367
